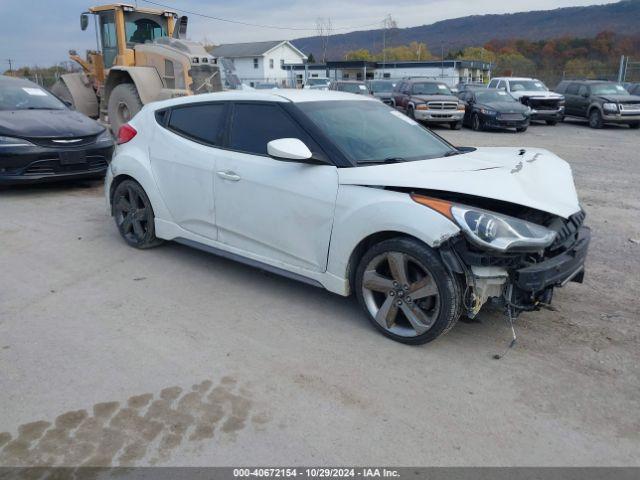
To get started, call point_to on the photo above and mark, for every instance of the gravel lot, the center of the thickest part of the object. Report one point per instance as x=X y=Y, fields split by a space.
x=112 y=356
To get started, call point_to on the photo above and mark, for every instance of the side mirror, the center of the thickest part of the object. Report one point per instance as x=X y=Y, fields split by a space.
x=290 y=150
x=585 y=95
x=84 y=21
x=69 y=104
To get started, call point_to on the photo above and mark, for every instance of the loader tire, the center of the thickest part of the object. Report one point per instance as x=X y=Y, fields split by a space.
x=124 y=103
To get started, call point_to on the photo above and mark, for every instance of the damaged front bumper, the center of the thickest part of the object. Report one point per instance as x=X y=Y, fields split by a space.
x=515 y=280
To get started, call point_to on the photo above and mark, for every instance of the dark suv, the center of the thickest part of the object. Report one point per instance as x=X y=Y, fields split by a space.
x=600 y=102
x=429 y=102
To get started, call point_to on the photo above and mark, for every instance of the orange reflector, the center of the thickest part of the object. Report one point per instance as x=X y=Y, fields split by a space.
x=440 y=206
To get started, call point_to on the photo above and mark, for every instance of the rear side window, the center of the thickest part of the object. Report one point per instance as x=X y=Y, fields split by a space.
x=202 y=122
x=255 y=125
x=572 y=89
x=583 y=90
x=493 y=84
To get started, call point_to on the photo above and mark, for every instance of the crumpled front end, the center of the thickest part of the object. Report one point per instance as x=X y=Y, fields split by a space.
x=520 y=281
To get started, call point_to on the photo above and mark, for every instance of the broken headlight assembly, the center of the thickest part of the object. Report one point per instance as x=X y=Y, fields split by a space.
x=492 y=230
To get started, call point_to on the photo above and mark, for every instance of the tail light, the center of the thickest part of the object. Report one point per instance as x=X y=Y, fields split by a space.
x=126 y=133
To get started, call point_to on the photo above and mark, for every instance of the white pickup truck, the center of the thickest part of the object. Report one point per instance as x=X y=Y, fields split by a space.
x=545 y=105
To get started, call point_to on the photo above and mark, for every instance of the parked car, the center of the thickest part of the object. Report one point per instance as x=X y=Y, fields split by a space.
x=634 y=89
x=429 y=102
x=382 y=90
x=601 y=102
x=464 y=87
x=41 y=139
x=267 y=86
x=317 y=84
x=350 y=86
x=490 y=108
x=545 y=105
x=363 y=200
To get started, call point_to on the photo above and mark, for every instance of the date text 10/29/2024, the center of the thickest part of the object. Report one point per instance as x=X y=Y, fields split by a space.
x=305 y=473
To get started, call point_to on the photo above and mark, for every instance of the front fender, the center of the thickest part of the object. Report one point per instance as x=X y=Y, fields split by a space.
x=363 y=211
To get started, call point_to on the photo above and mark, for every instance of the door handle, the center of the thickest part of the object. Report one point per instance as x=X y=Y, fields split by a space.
x=229 y=175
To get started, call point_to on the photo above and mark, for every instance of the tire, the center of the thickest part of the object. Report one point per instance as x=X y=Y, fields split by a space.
x=124 y=103
x=551 y=123
x=521 y=129
x=634 y=126
x=476 y=123
x=595 y=118
x=411 y=113
x=60 y=90
x=420 y=270
x=456 y=125
x=136 y=225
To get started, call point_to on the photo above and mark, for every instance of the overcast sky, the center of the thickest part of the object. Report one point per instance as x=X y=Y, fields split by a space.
x=40 y=32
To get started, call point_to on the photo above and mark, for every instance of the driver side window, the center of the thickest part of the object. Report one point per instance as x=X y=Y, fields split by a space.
x=256 y=124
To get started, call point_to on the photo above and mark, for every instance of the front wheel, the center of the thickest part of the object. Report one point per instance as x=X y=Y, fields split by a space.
x=521 y=129
x=406 y=291
x=552 y=122
x=124 y=103
x=595 y=119
x=635 y=125
x=476 y=123
x=411 y=113
x=134 y=216
x=456 y=125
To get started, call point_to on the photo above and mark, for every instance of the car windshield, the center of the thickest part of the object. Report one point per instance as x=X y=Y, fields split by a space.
x=382 y=87
x=493 y=96
x=27 y=96
x=527 y=85
x=352 y=87
x=608 y=89
x=371 y=132
x=430 y=89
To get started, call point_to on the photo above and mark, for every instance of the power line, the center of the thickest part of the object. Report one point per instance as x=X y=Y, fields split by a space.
x=238 y=22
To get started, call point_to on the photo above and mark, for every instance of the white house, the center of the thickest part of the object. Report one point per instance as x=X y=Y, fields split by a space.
x=260 y=62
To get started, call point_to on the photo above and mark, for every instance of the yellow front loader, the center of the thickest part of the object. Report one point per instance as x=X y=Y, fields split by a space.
x=141 y=56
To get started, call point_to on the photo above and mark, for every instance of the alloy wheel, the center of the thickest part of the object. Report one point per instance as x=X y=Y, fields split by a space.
x=401 y=294
x=133 y=215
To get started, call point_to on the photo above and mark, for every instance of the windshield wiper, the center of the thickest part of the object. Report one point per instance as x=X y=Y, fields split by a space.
x=452 y=153
x=386 y=160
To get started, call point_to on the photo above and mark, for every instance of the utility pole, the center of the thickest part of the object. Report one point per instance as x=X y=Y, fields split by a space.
x=10 y=65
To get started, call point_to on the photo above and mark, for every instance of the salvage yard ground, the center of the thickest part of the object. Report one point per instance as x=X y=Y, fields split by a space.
x=171 y=356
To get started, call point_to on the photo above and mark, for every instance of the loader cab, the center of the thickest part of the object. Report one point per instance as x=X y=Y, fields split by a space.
x=122 y=26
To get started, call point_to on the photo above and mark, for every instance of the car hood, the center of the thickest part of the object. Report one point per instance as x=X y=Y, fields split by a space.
x=537 y=94
x=504 y=107
x=537 y=179
x=435 y=98
x=620 y=98
x=47 y=124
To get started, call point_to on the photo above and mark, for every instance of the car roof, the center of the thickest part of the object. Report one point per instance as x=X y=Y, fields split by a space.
x=282 y=95
x=515 y=78
x=424 y=80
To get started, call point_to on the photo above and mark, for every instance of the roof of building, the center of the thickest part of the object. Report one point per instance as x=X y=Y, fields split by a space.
x=250 y=49
x=395 y=64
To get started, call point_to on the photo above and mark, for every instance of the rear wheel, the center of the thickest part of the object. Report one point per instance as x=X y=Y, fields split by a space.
x=60 y=90
x=595 y=118
x=134 y=216
x=124 y=103
x=406 y=292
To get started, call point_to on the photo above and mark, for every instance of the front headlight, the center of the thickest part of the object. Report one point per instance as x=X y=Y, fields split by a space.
x=492 y=230
x=486 y=111
x=14 y=142
x=610 y=107
x=422 y=106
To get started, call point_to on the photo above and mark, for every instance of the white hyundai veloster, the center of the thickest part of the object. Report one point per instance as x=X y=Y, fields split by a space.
x=343 y=192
